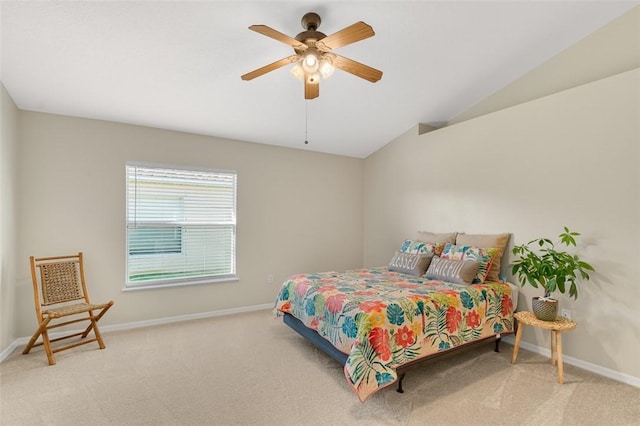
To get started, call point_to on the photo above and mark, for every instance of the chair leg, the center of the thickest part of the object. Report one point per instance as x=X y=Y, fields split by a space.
x=34 y=338
x=90 y=326
x=94 y=326
x=47 y=347
x=42 y=331
x=96 y=331
x=46 y=342
x=95 y=320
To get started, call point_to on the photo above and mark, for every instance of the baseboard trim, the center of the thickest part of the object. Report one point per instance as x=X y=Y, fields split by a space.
x=186 y=317
x=147 y=323
x=594 y=368
x=12 y=347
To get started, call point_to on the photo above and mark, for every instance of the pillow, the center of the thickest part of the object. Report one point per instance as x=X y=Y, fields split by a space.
x=483 y=255
x=413 y=246
x=410 y=263
x=430 y=237
x=498 y=241
x=452 y=271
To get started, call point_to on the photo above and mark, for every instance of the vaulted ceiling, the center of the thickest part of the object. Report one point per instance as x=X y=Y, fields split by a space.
x=177 y=65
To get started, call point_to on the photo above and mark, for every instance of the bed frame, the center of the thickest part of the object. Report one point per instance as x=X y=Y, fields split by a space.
x=324 y=345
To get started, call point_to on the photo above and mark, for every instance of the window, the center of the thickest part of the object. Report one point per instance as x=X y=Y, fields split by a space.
x=181 y=225
x=154 y=219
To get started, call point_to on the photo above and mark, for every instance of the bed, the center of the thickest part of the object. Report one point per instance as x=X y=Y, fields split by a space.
x=376 y=321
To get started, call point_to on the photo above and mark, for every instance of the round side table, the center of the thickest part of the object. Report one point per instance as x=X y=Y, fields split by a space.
x=556 y=327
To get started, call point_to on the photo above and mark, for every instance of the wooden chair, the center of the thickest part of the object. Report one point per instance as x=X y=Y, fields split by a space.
x=64 y=294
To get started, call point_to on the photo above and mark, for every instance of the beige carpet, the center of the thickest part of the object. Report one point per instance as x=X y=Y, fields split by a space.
x=250 y=369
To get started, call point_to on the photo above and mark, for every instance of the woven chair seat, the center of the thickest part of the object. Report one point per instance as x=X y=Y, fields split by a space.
x=76 y=308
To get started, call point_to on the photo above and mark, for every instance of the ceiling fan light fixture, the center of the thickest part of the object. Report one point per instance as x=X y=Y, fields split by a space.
x=326 y=68
x=310 y=62
x=297 y=71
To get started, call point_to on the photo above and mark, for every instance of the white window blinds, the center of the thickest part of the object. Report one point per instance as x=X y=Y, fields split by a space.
x=181 y=225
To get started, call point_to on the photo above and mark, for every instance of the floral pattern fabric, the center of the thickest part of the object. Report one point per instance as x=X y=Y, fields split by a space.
x=483 y=255
x=383 y=319
x=420 y=247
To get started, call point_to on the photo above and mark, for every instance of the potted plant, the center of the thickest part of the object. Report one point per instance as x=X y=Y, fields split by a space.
x=541 y=264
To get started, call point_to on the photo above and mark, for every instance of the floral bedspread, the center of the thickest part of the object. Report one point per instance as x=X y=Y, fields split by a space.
x=384 y=319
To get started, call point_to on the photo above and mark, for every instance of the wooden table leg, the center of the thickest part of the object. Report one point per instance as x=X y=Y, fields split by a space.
x=559 y=349
x=554 y=346
x=516 y=346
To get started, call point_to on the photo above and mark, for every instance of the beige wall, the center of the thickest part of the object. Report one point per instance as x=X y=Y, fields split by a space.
x=298 y=211
x=8 y=217
x=613 y=49
x=571 y=159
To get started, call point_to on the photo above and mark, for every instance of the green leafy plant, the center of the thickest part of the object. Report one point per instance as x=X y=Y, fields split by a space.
x=548 y=267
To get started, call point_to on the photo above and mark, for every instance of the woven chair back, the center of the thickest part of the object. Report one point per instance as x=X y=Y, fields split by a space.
x=59 y=282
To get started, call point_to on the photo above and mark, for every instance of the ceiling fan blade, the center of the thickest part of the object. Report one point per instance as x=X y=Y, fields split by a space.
x=351 y=34
x=357 y=69
x=267 y=68
x=311 y=91
x=277 y=35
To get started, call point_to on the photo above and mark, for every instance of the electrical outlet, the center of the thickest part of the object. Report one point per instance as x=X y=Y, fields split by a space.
x=270 y=279
x=566 y=313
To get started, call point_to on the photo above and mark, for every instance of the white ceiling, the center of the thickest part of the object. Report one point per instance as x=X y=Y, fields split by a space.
x=177 y=65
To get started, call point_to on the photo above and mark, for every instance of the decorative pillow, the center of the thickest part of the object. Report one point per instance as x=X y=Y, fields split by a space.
x=452 y=271
x=410 y=263
x=430 y=237
x=498 y=241
x=413 y=246
x=483 y=255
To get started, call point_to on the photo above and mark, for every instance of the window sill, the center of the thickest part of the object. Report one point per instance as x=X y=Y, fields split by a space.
x=153 y=286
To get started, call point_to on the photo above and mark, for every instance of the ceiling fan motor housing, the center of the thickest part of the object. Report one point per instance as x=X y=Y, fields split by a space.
x=310 y=21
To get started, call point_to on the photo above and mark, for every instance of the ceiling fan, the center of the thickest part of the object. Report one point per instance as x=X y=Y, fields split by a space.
x=313 y=53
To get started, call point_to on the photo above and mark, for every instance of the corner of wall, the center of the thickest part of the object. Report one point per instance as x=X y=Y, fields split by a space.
x=611 y=50
x=8 y=181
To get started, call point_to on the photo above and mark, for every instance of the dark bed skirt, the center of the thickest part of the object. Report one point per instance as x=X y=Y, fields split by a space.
x=334 y=353
x=324 y=345
x=311 y=335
